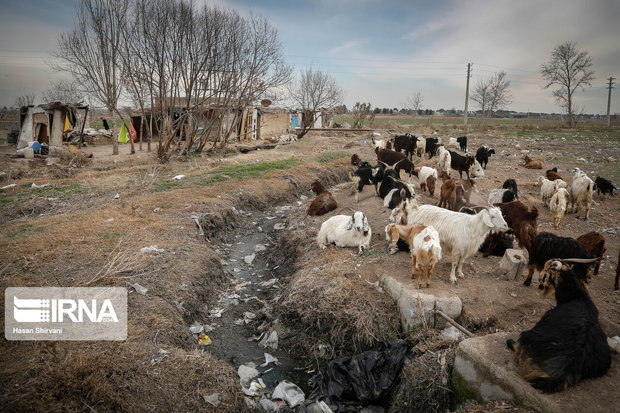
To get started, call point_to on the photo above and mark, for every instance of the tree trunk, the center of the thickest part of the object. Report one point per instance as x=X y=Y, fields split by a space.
x=112 y=118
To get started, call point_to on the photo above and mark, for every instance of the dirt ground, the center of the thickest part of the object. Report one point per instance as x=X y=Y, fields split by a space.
x=65 y=235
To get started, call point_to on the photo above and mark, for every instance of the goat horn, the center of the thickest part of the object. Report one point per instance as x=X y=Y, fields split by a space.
x=394 y=166
x=556 y=265
x=581 y=260
x=387 y=166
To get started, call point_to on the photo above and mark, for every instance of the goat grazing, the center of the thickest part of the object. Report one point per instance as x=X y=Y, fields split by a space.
x=426 y=251
x=567 y=344
x=379 y=143
x=482 y=155
x=547 y=246
x=475 y=170
x=324 y=201
x=406 y=142
x=462 y=140
x=461 y=163
x=522 y=220
x=346 y=231
x=595 y=244
x=548 y=188
x=460 y=234
x=444 y=159
x=552 y=174
x=447 y=196
x=604 y=186
x=496 y=244
x=401 y=232
x=427 y=177
x=365 y=174
x=557 y=205
x=581 y=191
x=431 y=146
x=532 y=163
x=420 y=146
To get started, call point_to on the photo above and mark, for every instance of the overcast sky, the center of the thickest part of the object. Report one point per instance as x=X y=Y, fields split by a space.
x=380 y=51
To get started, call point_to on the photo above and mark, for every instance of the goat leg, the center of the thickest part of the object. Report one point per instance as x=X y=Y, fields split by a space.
x=431 y=267
x=452 y=272
x=413 y=265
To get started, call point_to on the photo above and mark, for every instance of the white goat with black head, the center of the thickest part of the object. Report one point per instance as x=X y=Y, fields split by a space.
x=346 y=231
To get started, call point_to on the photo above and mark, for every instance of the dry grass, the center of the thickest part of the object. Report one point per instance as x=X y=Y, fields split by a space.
x=337 y=309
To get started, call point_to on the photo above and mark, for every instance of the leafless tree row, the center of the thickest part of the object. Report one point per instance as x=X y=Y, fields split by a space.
x=190 y=69
x=492 y=93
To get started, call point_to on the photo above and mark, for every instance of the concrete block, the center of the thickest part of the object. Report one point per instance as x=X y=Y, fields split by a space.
x=414 y=303
x=28 y=153
x=512 y=264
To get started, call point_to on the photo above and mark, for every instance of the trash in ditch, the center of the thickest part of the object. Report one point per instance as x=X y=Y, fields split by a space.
x=269 y=283
x=319 y=407
x=233 y=297
x=238 y=322
x=249 y=258
x=196 y=328
x=139 y=289
x=204 y=339
x=246 y=373
x=178 y=177
x=248 y=316
x=152 y=248
x=216 y=312
x=269 y=359
x=270 y=340
x=117 y=196
x=289 y=392
x=208 y=328
x=279 y=226
x=162 y=355
x=255 y=389
x=213 y=399
x=360 y=379
x=259 y=248
x=35 y=186
x=271 y=406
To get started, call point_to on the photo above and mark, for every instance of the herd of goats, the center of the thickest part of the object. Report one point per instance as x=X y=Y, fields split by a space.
x=567 y=344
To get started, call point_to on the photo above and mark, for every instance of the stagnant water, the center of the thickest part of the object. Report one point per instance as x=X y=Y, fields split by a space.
x=249 y=291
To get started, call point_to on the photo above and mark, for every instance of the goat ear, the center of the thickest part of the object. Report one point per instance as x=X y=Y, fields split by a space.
x=486 y=218
x=349 y=225
x=365 y=224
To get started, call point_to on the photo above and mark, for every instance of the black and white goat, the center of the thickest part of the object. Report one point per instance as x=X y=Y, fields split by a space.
x=366 y=174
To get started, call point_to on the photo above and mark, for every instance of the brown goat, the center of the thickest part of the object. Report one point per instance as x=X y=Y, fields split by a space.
x=532 y=163
x=553 y=175
x=448 y=192
x=324 y=201
x=394 y=159
x=595 y=244
x=468 y=189
x=430 y=185
x=522 y=220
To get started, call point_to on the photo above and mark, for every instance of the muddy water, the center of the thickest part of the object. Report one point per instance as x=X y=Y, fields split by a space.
x=246 y=302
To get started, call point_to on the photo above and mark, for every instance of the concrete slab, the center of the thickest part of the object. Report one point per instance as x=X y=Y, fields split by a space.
x=484 y=370
x=412 y=302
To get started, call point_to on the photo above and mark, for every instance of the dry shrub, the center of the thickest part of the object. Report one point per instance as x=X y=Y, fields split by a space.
x=472 y=406
x=344 y=312
x=73 y=158
x=425 y=379
x=123 y=376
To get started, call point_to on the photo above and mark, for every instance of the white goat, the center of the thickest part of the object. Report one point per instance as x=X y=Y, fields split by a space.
x=460 y=234
x=548 y=188
x=476 y=171
x=426 y=251
x=496 y=196
x=557 y=205
x=399 y=215
x=346 y=231
x=420 y=146
x=379 y=143
x=444 y=159
x=453 y=143
x=581 y=192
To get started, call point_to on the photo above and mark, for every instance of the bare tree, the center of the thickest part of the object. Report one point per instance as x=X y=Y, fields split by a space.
x=315 y=90
x=65 y=91
x=24 y=100
x=414 y=103
x=492 y=94
x=568 y=69
x=360 y=112
x=91 y=52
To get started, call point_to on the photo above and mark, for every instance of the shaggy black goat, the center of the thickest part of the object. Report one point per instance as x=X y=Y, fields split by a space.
x=567 y=344
x=462 y=143
x=512 y=185
x=496 y=244
x=406 y=142
x=461 y=163
x=604 y=186
x=431 y=146
x=482 y=155
x=366 y=174
x=547 y=246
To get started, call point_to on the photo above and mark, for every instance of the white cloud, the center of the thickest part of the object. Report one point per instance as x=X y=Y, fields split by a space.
x=346 y=46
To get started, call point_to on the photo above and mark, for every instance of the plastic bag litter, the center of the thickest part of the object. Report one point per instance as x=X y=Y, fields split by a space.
x=204 y=340
x=269 y=359
x=270 y=340
x=246 y=373
x=139 y=289
x=255 y=388
x=360 y=379
x=196 y=328
x=152 y=248
x=8 y=186
x=38 y=186
x=178 y=177
x=290 y=392
x=213 y=399
x=248 y=259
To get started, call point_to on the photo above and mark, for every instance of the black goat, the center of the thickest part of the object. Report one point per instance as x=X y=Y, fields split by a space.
x=482 y=155
x=461 y=163
x=462 y=143
x=355 y=159
x=431 y=146
x=547 y=246
x=568 y=343
x=496 y=244
x=366 y=174
x=512 y=185
x=407 y=142
x=604 y=186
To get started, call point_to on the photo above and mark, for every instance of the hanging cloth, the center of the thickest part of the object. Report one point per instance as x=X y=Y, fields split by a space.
x=67 y=124
x=122 y=137
x=134 y=134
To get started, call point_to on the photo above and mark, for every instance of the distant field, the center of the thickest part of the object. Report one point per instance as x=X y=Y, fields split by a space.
x=389 y=121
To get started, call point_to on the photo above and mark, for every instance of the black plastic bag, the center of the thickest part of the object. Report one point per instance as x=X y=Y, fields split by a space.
x=349 y=382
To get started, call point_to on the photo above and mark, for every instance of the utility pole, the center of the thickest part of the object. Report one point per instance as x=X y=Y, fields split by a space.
x=611 y=84
x=467 y=91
